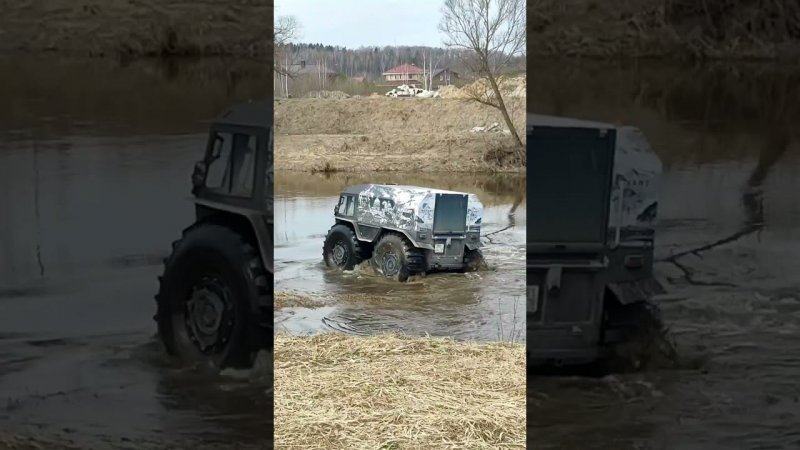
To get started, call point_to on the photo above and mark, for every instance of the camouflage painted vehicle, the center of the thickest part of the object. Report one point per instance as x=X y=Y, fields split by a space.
x=592 y=203
x=214 y=303
x=405 y=230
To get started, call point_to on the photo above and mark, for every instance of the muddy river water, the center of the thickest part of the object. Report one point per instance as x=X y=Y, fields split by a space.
x=482 y=305
x=95 y=161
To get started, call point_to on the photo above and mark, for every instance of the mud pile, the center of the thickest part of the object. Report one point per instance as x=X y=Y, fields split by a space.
x=359 y=134
x=376 y=116
x=510 y=87
x=328 y=94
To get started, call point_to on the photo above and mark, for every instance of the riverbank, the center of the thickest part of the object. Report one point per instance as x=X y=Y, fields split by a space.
x=612 y=29
x=137 y=28
x=336 y=391
x=394 y=134
x=675 y=29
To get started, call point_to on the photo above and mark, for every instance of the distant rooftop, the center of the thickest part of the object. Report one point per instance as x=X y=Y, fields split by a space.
x=403 y=69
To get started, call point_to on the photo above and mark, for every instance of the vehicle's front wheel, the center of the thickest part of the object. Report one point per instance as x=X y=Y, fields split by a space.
x=206 y=297
x=395 y=258
x=342 y=249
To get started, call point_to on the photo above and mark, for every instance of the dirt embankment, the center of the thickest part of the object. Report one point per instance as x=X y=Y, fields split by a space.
x=683 y=29
x=394 y=134
x=134 y=28
x=727 y=29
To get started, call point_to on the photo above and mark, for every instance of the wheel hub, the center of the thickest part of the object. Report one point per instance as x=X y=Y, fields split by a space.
x=339 y=254
x=207 y=311
x=391 y=264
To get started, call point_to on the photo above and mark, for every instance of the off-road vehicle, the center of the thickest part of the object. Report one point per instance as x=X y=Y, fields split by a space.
x=592 y=202
x=405 y=230
x=214 y=303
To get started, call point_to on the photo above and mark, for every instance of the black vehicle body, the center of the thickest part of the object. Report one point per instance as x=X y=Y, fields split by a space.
x=591 y=205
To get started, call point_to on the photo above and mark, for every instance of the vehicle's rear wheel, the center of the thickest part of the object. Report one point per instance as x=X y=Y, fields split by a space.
x=473 y=260
x=636 y=337
x=395 y=258
x=342 y=249
x=205 y=303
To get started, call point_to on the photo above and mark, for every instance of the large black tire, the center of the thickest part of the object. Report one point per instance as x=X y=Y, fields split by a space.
x=206 y=298
x=395 y=258
x=635 y=338
x=473 y=260
x=342 y=249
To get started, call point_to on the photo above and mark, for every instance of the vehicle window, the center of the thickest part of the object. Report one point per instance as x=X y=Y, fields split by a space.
x=340 y=208
x=351 y=206
x=218 y=166
x=243 y=164
x=231 y=169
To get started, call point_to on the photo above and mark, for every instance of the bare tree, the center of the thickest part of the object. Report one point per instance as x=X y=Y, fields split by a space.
x=287 y=30
x=429 y=69
x=493 y=33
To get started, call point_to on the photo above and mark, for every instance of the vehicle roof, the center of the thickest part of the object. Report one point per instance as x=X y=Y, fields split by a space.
x=359 y=188
x=543 y=120
x=256 y=114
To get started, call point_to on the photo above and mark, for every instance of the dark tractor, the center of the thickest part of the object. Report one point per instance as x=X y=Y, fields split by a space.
x=214 y=303
x=592 y=201
x=405 y=230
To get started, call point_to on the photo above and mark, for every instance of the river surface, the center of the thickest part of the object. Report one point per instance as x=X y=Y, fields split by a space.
x=95 y=165
x=482 y=305
x=729 y=144
x=95 y=160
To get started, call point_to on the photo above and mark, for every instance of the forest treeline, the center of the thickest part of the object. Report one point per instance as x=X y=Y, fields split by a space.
x=372 y=61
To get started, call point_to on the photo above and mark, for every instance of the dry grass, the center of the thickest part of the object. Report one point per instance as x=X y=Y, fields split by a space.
x=135 y=28
x=9 y=441
x=337 y=391
x=284 y=299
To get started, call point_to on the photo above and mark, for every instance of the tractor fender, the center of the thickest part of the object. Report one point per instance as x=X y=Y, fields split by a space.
x=251 y=223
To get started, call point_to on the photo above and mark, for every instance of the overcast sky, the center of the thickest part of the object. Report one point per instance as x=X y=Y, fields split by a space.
x=357 y=23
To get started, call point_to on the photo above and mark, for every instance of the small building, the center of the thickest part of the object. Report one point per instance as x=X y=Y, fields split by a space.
x=444 y=77
x=404 y=74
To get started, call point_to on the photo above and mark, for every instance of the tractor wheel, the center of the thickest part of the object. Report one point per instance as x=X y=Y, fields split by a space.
x=206 y=298
x=473 y=260
x=636 y=338
x=394 y=257
x=342 y=249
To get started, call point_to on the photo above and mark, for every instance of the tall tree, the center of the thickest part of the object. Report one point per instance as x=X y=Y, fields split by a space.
x=492 y=32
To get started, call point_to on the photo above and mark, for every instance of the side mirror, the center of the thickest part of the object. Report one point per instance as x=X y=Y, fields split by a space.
x=199 y=176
